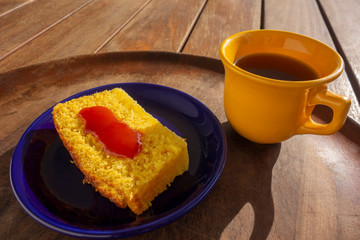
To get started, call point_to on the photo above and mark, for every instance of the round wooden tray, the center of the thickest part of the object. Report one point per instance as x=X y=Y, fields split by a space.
x=307 y=183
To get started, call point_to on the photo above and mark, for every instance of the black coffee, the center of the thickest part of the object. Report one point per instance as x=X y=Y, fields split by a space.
x=276 y=66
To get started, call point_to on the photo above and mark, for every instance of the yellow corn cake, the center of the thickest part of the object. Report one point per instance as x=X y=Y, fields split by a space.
x=128 y=182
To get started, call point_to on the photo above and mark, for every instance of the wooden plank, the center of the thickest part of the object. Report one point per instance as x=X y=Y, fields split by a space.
x=7 y=7
x=27 y=22
x=154 y=30
x=219 y=21
x=75 y=35
x=304 y=17
x=343 y=16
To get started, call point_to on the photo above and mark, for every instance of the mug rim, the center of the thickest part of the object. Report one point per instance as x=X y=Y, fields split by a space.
x=326 y=79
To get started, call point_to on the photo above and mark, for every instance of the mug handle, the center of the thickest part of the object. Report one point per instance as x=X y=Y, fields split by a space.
x=340 y=106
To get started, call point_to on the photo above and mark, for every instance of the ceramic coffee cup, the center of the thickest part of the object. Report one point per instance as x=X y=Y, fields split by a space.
x=273 y=81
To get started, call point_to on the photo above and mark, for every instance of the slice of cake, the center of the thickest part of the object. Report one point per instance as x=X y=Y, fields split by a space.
x=130 y=167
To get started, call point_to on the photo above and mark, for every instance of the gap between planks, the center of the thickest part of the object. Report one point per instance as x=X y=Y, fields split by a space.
x=191 y=28
x=122 y=26
x=355 y=83
x=262 y=14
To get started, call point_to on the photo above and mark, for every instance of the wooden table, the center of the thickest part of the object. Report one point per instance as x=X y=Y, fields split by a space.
x=307 y=187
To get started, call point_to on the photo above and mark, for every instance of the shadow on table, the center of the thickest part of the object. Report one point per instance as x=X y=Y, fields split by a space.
x=246 y=179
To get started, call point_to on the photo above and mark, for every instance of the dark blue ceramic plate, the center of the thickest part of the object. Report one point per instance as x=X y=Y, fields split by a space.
x=50 y=189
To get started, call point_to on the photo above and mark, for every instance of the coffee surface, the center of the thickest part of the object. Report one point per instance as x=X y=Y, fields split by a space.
x=276 y=66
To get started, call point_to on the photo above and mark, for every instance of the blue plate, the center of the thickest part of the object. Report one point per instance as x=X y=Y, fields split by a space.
x=50 y=189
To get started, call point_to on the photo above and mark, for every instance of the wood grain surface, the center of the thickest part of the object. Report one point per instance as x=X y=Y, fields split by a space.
x=166 y=30
x=342 y=18
x=204 y=42
x=306 y=187
x=26 y=23
x=10 y=6
x=75 y=40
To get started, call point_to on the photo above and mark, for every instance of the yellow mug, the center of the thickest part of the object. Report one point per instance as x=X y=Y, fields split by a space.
x=265 y=109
